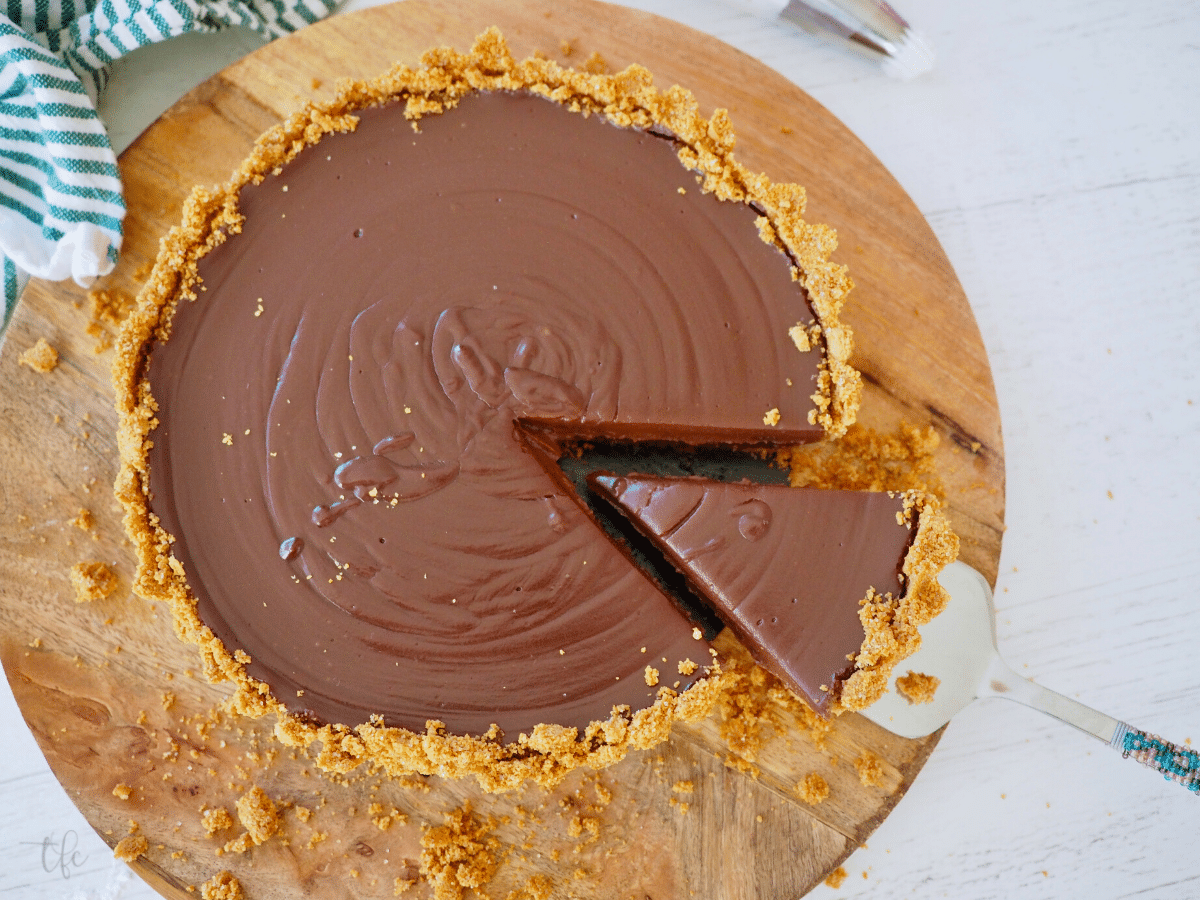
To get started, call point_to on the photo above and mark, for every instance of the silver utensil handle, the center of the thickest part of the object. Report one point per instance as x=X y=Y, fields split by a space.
x=1175 y=763
x=1001 y=681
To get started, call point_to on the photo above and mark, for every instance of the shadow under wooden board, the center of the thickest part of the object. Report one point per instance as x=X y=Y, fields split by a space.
x=114 y=698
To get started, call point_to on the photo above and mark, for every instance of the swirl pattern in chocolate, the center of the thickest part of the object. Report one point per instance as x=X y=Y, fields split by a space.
x=339 y=452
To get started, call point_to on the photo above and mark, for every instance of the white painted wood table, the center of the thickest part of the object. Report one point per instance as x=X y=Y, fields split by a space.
x=1055 y=150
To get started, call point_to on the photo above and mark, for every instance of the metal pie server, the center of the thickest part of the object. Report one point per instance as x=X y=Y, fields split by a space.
x=959 y=648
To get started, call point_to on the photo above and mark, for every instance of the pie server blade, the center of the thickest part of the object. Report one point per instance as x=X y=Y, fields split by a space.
x=959 y=648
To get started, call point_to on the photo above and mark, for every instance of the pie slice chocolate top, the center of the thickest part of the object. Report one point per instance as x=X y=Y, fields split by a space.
x=825 y=588
x=335 y=387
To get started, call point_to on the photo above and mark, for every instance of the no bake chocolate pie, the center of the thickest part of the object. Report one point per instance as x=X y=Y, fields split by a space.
x=354 y=367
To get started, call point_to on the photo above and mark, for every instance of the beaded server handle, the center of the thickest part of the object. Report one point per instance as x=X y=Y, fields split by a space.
x=1178 y=764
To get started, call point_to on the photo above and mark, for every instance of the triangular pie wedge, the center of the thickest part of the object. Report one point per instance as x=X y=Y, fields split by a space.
x=825 y=588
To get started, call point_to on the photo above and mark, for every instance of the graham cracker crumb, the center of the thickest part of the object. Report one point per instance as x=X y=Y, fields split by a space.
x=258 y=814
x=686 y=667
x=537 y=887
x=771 y=417
x=836 y=878
x=402 y=885
x=222 y=886
x=240 y=844
x=604 y=794
x=131 y=847
x=917 y=687
x=651 y=676
x=215 y=820
x=683 y=787
x=385 y=820
x=122 y=791
x=458 y=855
x=812 y=789
x=92 y=581
x=41 y=357
x=109 y=309
x=580 y=824
x=870 y=769
x=595 y=64
x=84 y=520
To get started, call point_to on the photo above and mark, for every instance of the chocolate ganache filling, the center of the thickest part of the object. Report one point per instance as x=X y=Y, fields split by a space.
x=342 y=451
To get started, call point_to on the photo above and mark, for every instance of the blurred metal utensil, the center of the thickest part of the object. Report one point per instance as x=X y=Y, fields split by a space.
x=869 y=28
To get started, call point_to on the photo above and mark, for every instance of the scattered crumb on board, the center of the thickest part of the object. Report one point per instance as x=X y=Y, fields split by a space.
x=41 y=357
x=215 y=820
x=259 y=816
x=131 y=847
x=458 y=855
x=812 y=789
x=109 y=308
x=870 y=769
x=383 y=819
x=222 y=886
x=92 y=581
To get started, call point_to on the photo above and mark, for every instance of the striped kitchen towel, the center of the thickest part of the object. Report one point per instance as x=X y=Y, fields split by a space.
x=60 y=190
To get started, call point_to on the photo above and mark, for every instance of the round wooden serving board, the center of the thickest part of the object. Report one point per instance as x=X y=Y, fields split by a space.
x=114 y=698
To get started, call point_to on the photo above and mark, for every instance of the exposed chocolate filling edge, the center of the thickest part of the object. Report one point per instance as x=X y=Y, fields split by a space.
x=627 y=99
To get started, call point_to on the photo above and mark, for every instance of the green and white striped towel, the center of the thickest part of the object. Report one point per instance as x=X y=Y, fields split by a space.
x=60 y=191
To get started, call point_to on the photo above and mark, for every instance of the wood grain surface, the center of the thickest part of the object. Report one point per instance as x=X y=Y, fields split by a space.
x=113 y=698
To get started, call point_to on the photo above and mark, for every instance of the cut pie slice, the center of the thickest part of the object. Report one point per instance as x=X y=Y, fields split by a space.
x=825 y=588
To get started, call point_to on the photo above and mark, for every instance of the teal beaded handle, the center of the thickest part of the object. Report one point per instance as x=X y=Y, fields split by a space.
x=1178 y=764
